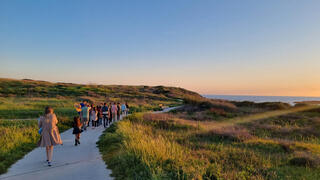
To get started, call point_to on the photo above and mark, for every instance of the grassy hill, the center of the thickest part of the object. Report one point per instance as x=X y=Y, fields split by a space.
x=32 y=88
x=26 y=99
x=215 y=139
x=204 y=139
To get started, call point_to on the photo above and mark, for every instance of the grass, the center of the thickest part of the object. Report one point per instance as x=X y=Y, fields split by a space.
x=26 y=99
x=143 y=154
x=177 y=145
x=20 y=136
x=206 y=139
x=16 y=139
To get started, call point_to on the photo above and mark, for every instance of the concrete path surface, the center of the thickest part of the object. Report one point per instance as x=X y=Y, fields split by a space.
x=69 y=162
x=167 y=109
x=82 y=162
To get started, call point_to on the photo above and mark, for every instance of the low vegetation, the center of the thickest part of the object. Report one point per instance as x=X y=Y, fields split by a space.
x=23 y=101
x=17 y=138
x=206 y=140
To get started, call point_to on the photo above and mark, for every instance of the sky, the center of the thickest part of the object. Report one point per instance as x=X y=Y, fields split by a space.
x=227 y=47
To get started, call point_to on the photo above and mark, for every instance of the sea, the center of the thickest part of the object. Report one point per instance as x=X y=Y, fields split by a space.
x=286 y=99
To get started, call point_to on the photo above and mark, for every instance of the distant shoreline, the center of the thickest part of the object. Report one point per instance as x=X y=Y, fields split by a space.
x=258 y=99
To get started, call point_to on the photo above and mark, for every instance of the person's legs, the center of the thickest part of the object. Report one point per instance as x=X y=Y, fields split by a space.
x=75 y=140
x=82 y=121
x=50 y=153
x=47 y=152
x=108 y=120
x=78 y=138
x=104 y=120
x=85 y=121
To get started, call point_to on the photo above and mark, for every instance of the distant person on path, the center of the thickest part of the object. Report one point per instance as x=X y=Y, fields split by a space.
x=105 y=112
x=110 y=113
x=127 y=108
x=94 y=117
x=114 y=110
x=99 y=115
x=50 y=133
x=83 y=103
x=78 y=108
x=119 y=111
x=85 y=116
x=77 y=130
x=124 y=109
x=92 y=122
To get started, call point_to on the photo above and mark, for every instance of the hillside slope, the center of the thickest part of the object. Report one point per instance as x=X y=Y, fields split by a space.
x=33 y=88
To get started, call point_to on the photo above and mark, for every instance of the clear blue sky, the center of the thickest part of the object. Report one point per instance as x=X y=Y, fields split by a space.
x=269 y=47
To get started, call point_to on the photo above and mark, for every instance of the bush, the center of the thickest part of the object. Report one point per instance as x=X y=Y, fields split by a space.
x=305 y=160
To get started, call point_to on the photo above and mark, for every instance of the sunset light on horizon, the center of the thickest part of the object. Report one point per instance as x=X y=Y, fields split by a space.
x=246 y=47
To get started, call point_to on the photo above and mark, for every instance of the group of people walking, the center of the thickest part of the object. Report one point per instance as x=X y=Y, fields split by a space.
x=101 y=114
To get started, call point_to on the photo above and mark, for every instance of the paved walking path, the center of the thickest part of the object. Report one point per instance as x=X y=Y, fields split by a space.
x=81 y=162
x=70 y=162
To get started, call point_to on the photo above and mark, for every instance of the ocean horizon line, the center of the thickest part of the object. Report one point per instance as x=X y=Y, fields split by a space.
x=256 y=95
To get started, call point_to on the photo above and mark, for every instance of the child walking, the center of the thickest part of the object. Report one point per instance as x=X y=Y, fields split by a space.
x=77 y=130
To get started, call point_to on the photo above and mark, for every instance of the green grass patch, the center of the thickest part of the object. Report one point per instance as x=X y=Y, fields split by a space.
x=161 y=146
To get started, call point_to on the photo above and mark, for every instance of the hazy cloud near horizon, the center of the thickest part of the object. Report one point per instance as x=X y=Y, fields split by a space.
x=212 y=47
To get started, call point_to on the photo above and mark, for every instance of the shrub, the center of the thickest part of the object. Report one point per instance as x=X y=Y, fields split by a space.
x=232 y=133
x=305 y=160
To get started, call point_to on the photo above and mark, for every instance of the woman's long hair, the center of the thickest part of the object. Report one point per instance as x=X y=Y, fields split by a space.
x=48 y=110
x=76 y=121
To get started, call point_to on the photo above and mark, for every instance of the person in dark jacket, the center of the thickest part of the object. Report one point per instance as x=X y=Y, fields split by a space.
x=105 y=112
x=118 y=111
